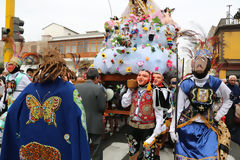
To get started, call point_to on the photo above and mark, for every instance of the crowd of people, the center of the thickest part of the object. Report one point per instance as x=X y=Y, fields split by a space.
x=43 y=115
x=72 y=116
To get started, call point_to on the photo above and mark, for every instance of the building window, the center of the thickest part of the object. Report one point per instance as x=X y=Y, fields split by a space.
x=34 y=48
x=80 y=46
x=86 y=46
x=74 y=47
x=68 y=48
x=99 y=45
x=61 y=47
x=93 y=46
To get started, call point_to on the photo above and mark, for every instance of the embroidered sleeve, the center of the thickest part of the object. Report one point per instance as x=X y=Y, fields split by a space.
x=78 y=100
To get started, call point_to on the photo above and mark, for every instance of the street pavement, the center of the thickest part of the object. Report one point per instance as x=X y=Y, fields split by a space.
x=116 y=147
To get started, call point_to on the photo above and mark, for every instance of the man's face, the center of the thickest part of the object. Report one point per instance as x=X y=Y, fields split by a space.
x=199 y=64
x=173 y=82
x=30 y=73
x=232 y=81
x=157 y=79
x=143 y=78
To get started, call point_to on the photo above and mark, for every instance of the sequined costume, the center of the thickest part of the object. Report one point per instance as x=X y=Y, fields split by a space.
x=197 y=128
x=142 y=120
x=46 y=121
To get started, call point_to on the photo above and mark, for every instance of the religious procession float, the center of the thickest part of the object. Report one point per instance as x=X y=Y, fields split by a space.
x=143 y=38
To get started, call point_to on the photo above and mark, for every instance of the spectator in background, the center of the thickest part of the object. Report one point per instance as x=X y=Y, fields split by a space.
x=1 y=71
x=30 y=72
x=233 y=127
x=94 y=102
x=2 y=84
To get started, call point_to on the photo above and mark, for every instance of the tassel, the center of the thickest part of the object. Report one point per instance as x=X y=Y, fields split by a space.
x=149 y=88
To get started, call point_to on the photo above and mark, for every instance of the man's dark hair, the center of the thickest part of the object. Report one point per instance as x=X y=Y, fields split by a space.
x=30 y=70
x=92 y=73
x=1 y=70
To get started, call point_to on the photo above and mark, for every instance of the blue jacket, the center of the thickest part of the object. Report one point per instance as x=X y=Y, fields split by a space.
x=46 y=120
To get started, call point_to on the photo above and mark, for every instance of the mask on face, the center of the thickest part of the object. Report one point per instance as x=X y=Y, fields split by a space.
x=12 y=68
x=143 y=78
x=201 y=66
x=157 y=80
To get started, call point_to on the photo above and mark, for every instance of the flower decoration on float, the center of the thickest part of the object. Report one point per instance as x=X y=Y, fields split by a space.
x=128 y=69
x=145 y=28
x=120 y=61
x=140 y=63
x=103 y=55
x=169 y=63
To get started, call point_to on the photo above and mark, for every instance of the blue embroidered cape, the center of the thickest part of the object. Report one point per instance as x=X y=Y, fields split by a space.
x=46 y=121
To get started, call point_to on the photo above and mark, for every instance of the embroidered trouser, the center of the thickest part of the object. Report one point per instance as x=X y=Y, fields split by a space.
x=136 y=137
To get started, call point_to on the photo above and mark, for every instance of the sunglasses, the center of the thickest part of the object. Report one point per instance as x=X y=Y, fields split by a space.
x=173 y=82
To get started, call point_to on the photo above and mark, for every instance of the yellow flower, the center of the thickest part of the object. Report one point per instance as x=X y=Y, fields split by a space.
x=91 y=65
x=145 y=28
x=120 y=61
x=146 y=58
x=128 y=69
x=150 y=7
x=103 y=55
x=134 y=49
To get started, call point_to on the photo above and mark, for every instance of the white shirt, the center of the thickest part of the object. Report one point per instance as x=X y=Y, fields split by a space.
x=183 y=102
x=23 y=83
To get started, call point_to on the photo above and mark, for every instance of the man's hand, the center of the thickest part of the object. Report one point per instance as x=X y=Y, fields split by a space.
x=2 y=106
x=149 y=142
x=174 y=137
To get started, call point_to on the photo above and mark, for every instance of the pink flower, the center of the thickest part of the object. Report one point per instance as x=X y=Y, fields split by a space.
x=140 y=63
x=117 y=68
x=156 y=68
x=169 y=63
x=140 y=35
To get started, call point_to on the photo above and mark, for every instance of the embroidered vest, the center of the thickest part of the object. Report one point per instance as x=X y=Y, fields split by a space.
x=146 y=111
x=201 y=101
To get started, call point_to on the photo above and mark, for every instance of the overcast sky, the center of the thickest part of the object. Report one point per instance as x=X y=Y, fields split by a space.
x=87 y=15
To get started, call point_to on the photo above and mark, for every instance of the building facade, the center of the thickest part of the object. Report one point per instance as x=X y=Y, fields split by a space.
x=78 y=50
x=227 y=51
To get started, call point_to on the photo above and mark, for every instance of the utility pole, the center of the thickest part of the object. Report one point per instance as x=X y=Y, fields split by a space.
x=10 y=11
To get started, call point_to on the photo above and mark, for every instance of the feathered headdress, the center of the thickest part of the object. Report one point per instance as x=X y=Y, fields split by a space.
x=16 y=59
x=202 y=45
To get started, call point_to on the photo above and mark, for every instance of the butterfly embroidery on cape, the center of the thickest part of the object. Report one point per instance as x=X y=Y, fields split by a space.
x=46 y=110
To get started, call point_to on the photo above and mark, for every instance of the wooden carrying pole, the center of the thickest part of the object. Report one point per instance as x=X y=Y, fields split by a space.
x=176 y=103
